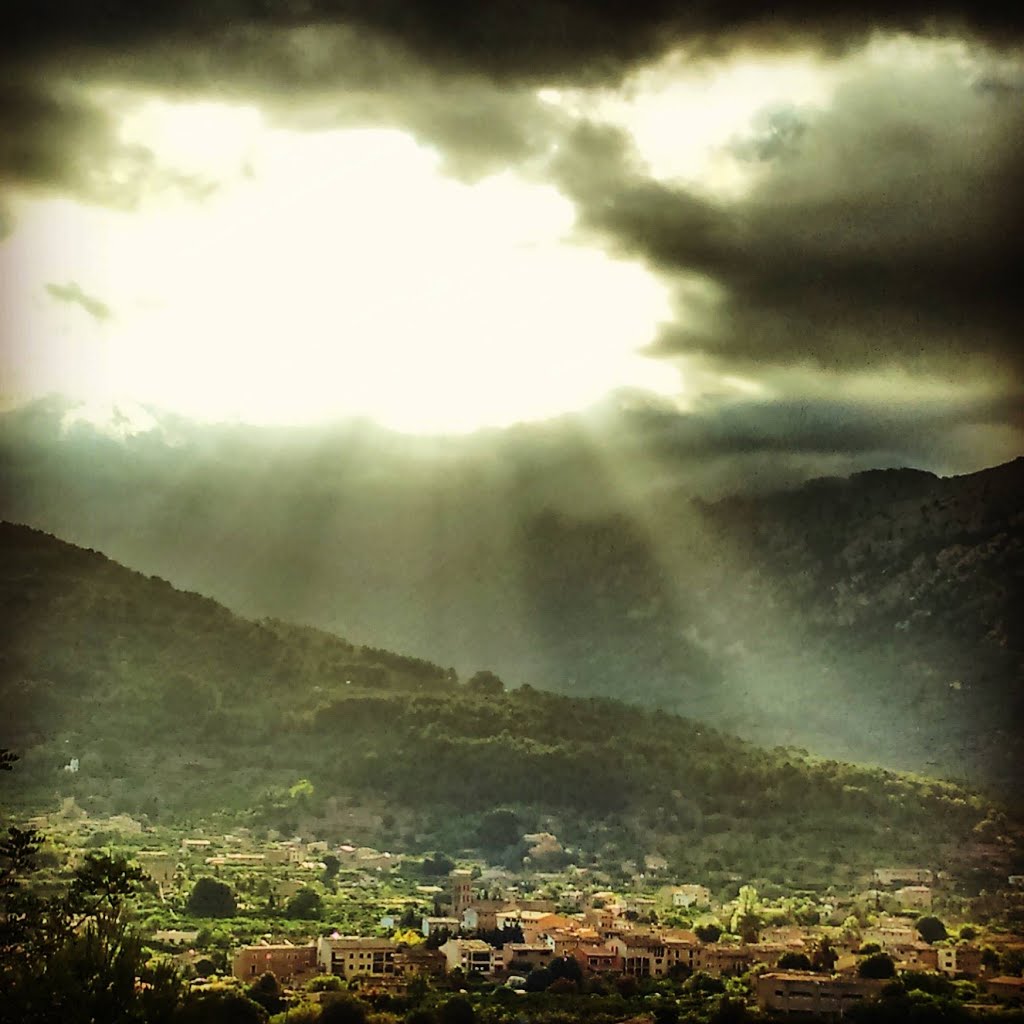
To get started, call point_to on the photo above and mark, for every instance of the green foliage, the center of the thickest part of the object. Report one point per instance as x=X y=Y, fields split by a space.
x=485 y=684
x=538 y=979
x=306 y=905
x=457 y=1010
x=934 y=984
x=266 y=991
x=877 y=965
x=708 y=932
x=343 y=1009
x=700 y=983
x=931 y=929
x=823 y=956
x=211 y=898
x=324 y=983
x=73 y=958
x=334 y=713
x=220 y=1006
x=498 y=829
x=747 y=919
x=791 y=961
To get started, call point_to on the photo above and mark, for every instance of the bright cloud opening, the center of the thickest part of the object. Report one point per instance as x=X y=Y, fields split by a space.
x=340 y=273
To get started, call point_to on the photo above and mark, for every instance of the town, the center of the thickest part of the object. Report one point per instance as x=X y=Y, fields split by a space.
x=305 y=920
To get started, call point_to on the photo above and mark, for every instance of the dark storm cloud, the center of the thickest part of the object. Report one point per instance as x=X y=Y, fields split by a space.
x=815 y=425
x=886 y=229
x=513 y=38
x=457 y=74
x=43 y=132
x=51 y=135
x=73 y=293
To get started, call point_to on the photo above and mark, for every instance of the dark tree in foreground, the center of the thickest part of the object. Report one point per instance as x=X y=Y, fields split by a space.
x=220 y=1006
x=458 y=1010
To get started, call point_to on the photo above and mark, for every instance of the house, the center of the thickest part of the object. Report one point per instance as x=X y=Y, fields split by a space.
x=643 y=955
x=174 y=937
x=915 y=956
x=640 y=905
x=681 y=948
x=482 y=915
x=1005 y=987
x=413 y=960
x=914 y=897
x=159 y=865
x=691 y=895
x=472 y=956
x=813 y=995
x=525 y=956
x=890 y=933
x=912 y=876
x=354 y=956
x=429 y=925
x=245 y=859
x=537 y=904
x=535 y=924
x=953 y=960
x=561 y=940
x=718 y=959
x=598 y=959
x=284 y=961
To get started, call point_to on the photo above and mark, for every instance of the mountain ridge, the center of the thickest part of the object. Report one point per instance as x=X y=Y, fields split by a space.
x=172 y=706
x=886 y=598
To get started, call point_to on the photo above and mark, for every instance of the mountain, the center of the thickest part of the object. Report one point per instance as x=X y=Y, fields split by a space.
x=176 y=709
x=869 y=617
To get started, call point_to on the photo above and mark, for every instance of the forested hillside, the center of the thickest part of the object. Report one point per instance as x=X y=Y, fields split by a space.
x=871 y=618
x=177 y=709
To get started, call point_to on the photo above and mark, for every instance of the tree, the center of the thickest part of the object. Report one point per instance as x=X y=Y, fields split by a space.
x=703 y=984
x=219 y=1006
x=458 y=1010
x=324 y=983
x=709 y=932
x=931 y=929
x=877 y=965
x=306 y=905
x=498 y=829
x=266 y=991
x=538 y=979
x=331 y=867
x=486 y=684
x=791 y=961
x=746 y=920
x=567 y=967
x=823 y=956
x=211 y=898
x=343 y=1009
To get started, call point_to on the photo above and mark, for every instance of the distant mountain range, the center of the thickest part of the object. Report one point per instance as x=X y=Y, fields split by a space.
x=872 y=618
x=128 y=696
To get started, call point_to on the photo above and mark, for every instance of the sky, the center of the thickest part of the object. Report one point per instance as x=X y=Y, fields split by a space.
x=796 y=233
